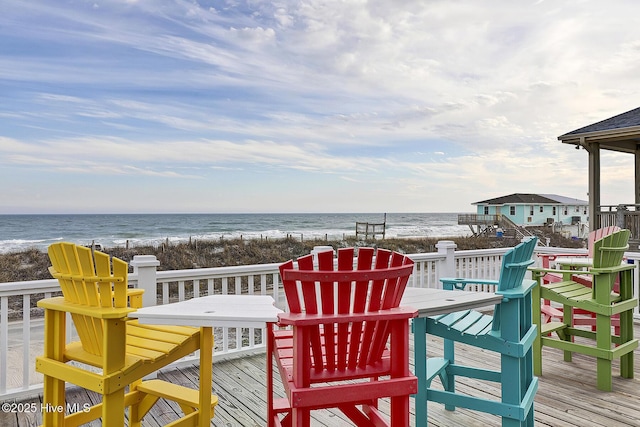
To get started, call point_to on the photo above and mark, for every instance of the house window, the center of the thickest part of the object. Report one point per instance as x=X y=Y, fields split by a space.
x=486 y=210
x=565 y=210
x=531 y=211
x=554 y=210
x=584 y=212
x=577 y=208
x=512 y=210
x=541 y=208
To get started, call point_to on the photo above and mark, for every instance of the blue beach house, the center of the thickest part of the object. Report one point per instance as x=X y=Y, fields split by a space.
x=536 y=209
x=511 y=215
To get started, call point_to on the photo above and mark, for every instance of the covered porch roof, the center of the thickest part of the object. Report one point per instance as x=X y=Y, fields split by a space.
x=619 y=133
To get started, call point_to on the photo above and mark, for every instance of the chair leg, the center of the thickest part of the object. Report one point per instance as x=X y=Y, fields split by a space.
x=269 y=371
x=449 y=383
x=400 y=411
x=420 y=364
x=625 y=325
x=112 y=409
x=135 y=418
x=301 y=417
x=603 y=342
x=519 y=374
x=537 y=354
x=54 y=389
x=626 y=335
x=516 y=372
x=53 y=397
x=536 y=317
x=567 y=318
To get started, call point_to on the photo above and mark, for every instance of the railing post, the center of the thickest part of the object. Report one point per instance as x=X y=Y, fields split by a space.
x=145 y=267
x=448 y=266
x=620 y=215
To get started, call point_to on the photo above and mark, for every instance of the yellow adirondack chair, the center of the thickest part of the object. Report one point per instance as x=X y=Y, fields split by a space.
x=123 y=351
x=599 y=299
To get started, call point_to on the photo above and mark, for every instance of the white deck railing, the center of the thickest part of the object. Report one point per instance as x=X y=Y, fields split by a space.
x=22 y=340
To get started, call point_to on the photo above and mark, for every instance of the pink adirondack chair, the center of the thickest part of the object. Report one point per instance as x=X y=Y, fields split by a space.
x=580 y=317
x=347 y=339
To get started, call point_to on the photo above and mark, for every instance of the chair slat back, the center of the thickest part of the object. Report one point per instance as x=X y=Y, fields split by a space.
x=599 y=234
x=609 y=250
x=514 y=267
x=515 y=263
x=364 y=284
x=92 y=285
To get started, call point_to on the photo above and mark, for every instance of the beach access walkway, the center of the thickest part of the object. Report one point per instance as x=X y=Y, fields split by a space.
x=567 y=395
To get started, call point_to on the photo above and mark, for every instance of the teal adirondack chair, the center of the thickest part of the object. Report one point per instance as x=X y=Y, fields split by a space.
x=509 y=331
x=603 y=343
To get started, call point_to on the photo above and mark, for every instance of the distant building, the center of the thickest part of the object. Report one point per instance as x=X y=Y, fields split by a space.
x=536 y=209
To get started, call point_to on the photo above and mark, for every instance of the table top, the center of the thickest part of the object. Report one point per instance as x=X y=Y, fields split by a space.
x=576 y=261
x=432 y=302
x=242 y=311
x=253 y=311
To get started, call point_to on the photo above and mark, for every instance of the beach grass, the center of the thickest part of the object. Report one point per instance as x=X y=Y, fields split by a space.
x=32 y=264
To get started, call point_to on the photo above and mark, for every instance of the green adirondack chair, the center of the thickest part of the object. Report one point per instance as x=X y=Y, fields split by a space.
x=603 y=343
x=508 y=331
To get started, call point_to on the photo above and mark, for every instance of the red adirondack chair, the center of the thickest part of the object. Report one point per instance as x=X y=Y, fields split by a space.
x=580 y=317
x=346 y=342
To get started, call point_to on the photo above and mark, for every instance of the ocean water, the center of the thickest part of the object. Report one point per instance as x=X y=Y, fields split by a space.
x=20 y=232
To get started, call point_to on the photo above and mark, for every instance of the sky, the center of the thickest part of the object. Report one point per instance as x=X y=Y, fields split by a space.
x=172 y=106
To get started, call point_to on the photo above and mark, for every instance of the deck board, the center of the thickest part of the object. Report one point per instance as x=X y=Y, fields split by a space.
x=567 y=394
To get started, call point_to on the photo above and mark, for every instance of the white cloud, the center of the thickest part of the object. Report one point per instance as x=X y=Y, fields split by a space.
x=344 y=90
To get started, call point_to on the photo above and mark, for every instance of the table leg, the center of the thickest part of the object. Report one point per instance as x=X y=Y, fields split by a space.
x=206 y=375
x=420 y=366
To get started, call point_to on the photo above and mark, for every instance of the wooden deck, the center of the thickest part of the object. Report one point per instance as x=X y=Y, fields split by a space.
x=567 y=395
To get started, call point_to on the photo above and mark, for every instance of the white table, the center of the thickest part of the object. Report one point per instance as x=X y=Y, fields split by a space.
x=432 y=302
x=238 y=311
x=253 y=311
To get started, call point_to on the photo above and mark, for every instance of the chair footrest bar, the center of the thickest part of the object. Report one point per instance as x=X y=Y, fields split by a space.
x=550 y=327
x=174 y=392
x=495 y=407
x=435 y=365
x=281 y=405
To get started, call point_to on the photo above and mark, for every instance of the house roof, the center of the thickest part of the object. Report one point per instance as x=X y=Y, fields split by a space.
x=624 y=120
x=535 y=199
x=566 y=200
x=617 y=133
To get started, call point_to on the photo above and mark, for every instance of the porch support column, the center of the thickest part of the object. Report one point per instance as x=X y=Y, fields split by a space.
x=637 y=176
x=594 y=182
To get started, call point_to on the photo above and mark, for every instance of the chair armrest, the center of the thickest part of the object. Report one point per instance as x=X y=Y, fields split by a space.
x=59 y=304
x=616 y=269
x=554 y=270
x=519 y=292
x=134 y=295
x=459 y=283
x=303 y=319
x=592 y=271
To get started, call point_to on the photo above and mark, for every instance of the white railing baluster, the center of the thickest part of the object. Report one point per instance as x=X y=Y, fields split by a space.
x=165 y=292
x=26 y=337
x=181 y=290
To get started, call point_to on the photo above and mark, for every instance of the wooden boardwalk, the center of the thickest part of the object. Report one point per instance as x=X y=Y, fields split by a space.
x=567 y=395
